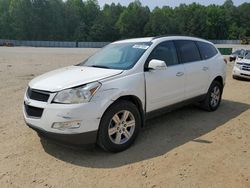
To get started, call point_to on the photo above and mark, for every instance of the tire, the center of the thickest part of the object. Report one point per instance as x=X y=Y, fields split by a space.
x=119 y=126
x=213 y=97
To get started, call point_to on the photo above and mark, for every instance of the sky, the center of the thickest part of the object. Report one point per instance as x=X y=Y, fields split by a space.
x=172 y=3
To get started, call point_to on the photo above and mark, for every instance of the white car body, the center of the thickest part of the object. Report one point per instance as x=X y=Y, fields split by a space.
x=241 y=68
x=154 y=89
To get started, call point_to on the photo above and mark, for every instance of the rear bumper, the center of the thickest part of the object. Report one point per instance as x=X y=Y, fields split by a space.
x=73 y=139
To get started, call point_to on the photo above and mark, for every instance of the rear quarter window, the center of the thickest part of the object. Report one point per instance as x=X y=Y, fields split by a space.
x=207 y=50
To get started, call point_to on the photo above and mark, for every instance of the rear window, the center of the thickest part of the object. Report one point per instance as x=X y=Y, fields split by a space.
x=188 y=51
x=207 y=50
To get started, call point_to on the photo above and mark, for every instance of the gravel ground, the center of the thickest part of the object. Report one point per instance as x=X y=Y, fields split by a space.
x=184 y=148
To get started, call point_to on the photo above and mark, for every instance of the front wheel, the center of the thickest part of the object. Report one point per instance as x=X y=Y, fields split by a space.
x=213 y=97
x=119 y=126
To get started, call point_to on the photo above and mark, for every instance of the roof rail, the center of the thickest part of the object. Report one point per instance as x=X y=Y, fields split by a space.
x=173 y=35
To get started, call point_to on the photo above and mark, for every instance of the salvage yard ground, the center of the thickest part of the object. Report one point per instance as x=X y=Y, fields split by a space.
x=184 y=148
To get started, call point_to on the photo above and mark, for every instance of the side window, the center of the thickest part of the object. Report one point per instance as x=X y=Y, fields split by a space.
x=166 y=52
x=207 y=50
x=188 y=51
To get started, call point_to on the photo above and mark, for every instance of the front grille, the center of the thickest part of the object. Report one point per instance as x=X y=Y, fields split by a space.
x=246 y=68
x=37 y=95
x=245 y=75
x=33 y=111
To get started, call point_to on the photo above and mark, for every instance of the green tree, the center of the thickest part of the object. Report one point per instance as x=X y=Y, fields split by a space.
x=217 y=28
x=243 y=19
x=74 y=23
x=161 y=22
x=228 y=4
x=236 y=32
x=20 y=19
x=5 y=19
x=57 y=30
x=84 y=20
x=104 y=28
x=133 y=20
x=90 y=12
x=191 y=19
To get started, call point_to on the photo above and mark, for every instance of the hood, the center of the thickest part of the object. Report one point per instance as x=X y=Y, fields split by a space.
x=247 y=61
x=70 y=77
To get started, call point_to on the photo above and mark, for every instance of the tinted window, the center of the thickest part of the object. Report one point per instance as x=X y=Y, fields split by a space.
x=166 y=52
x=207 y=50
x=188 y=51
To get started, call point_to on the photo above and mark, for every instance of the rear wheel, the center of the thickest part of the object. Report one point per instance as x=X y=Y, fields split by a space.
x=213 y=97
x=119 y=126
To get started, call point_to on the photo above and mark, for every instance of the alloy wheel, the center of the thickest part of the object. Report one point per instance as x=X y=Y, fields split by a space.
x=215 y=96
x=121 y=127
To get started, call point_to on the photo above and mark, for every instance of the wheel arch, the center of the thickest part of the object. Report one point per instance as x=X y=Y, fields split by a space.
x=219 y=79
x=205 y=103
x=136 y=101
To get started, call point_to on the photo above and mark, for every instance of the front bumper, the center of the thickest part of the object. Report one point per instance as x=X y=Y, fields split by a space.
x=241 y=73
x=74 y=139
x=88 y=115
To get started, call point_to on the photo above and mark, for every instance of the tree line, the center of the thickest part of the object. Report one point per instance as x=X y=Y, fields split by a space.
x=80 y=20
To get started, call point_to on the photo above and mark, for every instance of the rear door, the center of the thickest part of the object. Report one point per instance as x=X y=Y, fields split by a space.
x=197 y=70
x=164 y=87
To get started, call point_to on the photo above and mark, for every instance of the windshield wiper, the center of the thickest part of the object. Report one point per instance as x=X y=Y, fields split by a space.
x=100 y=66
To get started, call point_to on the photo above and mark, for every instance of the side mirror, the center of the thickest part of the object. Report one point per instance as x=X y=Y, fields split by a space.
x=157 y=65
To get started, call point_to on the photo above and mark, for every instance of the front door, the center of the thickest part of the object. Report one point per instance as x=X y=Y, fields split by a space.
x=164 y=87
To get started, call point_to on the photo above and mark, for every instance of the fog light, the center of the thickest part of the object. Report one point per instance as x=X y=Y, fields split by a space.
x=66 y=125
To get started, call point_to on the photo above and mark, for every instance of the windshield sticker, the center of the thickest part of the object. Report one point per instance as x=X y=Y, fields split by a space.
x=141 y=46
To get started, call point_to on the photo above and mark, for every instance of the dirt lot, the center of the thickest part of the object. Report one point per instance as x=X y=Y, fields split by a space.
x=185 y=148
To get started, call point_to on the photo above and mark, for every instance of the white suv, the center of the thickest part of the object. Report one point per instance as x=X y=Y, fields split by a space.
x=107 y=98
x=242 y=66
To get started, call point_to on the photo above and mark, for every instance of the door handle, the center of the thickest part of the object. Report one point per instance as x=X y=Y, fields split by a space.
x=179 y=74
x=205 y=68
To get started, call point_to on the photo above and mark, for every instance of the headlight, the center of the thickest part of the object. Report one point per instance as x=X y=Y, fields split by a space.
x=77 y=95
x=238 y=65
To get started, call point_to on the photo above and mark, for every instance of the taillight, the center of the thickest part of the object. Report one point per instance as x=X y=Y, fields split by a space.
x=225 y=60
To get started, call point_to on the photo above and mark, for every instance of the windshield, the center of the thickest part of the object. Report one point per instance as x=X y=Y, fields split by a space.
x=121 y=56
x=247 y=56
x=239 y=52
